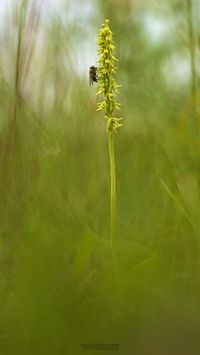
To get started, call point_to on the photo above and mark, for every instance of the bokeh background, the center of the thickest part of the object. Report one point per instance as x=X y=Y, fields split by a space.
x=58 y=285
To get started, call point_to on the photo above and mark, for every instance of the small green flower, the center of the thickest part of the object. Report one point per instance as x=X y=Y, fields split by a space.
x=108 y=87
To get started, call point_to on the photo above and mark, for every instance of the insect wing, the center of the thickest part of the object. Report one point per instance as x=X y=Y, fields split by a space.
x=90 y=80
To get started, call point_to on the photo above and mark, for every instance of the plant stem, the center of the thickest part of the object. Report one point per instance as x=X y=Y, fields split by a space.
x=192 y=48
x=195 y=123
x=112 y=190
x=19 y=59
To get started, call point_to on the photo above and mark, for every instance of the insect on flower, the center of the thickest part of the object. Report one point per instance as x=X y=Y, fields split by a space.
x=93 y=77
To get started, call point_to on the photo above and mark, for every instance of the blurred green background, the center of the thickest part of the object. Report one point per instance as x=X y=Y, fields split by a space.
x=58 y=285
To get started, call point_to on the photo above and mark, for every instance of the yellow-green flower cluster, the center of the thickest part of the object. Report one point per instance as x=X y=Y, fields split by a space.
x=108 y=86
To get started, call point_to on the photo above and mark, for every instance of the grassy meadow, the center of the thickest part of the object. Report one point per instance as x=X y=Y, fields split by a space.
x=59 y=285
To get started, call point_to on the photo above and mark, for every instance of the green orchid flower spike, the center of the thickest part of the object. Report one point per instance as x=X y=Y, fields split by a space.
x=108 y=88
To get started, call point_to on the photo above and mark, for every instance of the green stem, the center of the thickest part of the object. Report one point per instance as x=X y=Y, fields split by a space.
x=192 y=47
x=195 y=122
x=112 y=190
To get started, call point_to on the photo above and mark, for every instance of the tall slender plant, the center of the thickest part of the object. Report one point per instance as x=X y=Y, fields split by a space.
x=108 y=88
x=192 y=47
x=192 y=51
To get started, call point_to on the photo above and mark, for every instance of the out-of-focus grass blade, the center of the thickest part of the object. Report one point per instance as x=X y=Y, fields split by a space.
x=84 y=254
x=178 y=203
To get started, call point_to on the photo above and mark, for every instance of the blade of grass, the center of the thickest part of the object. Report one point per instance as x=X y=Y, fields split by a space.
x=178 y=203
